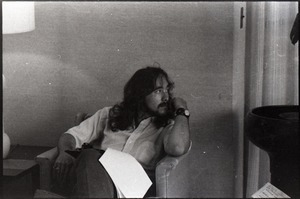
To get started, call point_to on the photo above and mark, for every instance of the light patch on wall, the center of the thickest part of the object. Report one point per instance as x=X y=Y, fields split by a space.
x=17 y=17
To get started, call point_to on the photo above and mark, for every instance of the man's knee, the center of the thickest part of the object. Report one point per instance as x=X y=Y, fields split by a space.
x=87 y=155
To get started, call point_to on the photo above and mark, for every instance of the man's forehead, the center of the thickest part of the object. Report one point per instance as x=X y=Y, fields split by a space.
x=161 y=81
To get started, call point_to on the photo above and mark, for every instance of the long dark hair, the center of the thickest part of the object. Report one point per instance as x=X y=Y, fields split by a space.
x=141 y=84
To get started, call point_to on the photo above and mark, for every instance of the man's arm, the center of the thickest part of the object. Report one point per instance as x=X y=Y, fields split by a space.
x=88 y=131
x=66 y=142
x=177 y=139
x=64 y=161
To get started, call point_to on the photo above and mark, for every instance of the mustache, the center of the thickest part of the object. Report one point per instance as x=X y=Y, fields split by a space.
x=163 y=104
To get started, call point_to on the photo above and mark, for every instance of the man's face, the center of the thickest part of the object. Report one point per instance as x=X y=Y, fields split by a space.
x=157 y=100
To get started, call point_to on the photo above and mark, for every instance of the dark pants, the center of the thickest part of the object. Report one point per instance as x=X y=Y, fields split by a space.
x=92 y=180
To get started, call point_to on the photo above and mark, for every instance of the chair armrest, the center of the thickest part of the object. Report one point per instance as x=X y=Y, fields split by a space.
x=163 y=170
x=45 y=161
x=49 y=155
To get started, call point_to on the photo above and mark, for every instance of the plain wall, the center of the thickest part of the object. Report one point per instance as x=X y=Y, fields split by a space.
x=82 y=53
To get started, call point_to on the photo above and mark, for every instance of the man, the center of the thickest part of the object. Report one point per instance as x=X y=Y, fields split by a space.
x=148 y=123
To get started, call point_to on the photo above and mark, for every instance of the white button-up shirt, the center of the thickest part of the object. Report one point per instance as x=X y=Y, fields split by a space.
x=145 y=142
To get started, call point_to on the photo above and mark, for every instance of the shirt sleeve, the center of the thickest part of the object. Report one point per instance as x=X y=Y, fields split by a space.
x=91 y=128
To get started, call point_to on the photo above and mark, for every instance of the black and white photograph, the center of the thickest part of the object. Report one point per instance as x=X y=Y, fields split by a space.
x=150 y=99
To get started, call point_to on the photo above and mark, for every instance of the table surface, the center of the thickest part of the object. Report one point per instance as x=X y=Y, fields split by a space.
x=21 y=159
x=21 y=172
x=26 y=152
x=15 y=167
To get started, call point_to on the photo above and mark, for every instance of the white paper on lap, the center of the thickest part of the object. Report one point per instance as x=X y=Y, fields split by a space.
x=269 y=191
x=127 y=173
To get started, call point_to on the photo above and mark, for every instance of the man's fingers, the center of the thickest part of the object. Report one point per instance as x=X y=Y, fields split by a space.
x=61 y=169
x=55 y=171
x=65 y=174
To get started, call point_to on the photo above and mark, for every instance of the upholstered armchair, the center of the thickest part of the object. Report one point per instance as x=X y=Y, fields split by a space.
x=164 y=169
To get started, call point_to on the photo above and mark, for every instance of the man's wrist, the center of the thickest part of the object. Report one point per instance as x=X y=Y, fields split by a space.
x=184 y=107
x=182 y=111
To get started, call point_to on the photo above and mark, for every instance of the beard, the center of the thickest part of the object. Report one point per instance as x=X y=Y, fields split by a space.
x=163 y=110
x=162 y=115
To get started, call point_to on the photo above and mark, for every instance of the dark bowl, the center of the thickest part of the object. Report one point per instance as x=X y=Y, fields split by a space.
x=274 y=128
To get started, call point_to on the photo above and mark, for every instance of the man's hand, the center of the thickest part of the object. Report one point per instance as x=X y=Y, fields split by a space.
x=179 y=103
x=62 y=167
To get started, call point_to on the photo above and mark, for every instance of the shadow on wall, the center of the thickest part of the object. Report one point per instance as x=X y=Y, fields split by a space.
x=211 y=161
x=52 y=86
